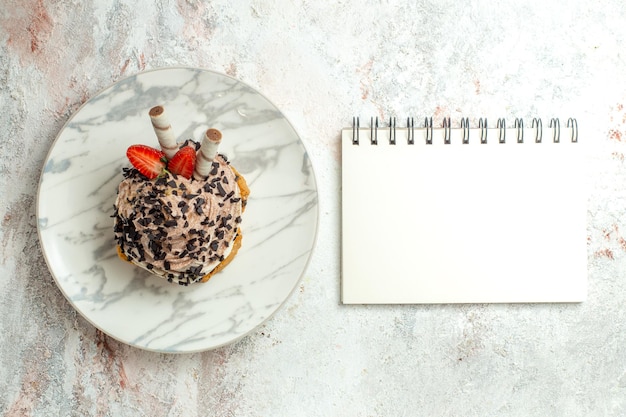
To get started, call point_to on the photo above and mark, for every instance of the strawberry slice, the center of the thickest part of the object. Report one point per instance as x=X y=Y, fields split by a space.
x=183 y=162
x=149 y=161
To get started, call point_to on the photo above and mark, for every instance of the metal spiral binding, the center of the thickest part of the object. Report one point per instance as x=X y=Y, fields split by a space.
x=519 y=125
x=539 y=129
x=556 y=130
x=410 y=127
x=355 y=130
x=374 y=131
x=555 y=126
x=501 y=125
x=573 y=124
x=482 y=125
x=428 y=124
x=466 y=130
x=447 y=131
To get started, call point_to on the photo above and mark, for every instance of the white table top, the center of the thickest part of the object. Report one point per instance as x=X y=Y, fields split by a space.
x=322 y=63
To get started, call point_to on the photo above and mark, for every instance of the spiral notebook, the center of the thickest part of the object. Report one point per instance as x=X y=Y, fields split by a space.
x=463 y=214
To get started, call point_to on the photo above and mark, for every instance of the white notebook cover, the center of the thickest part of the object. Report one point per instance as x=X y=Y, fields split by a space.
x=463 y=223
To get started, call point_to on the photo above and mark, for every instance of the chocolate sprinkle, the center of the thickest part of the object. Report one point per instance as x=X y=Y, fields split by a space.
x=154 y=215
x=220 y=189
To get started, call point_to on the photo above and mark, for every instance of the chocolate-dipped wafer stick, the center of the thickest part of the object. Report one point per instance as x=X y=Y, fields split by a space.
x=163 y=130
x=206 y=153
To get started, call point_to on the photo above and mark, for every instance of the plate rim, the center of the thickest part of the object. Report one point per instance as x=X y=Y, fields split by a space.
x=45 y=254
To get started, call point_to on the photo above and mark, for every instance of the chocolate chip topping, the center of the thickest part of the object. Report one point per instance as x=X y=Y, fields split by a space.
x=167 y=228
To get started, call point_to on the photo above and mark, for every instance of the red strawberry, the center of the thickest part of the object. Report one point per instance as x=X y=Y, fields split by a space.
x=149 y=161
x=183 y=162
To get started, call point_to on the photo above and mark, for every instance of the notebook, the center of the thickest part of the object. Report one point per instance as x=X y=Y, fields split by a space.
x=463 y=214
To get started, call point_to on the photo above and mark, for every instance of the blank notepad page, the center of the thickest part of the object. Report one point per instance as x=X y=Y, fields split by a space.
x=496 y=219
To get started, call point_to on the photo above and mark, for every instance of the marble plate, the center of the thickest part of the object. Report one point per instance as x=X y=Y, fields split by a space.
x=78 y=187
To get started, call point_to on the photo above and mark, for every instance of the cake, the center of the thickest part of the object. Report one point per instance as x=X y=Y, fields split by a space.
x=179 y=208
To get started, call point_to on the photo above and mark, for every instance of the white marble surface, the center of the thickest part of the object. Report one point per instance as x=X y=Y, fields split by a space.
x=322 y=63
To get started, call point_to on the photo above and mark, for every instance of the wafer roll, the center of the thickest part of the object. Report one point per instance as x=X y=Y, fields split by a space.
x=206 y=153
x=163 y=130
